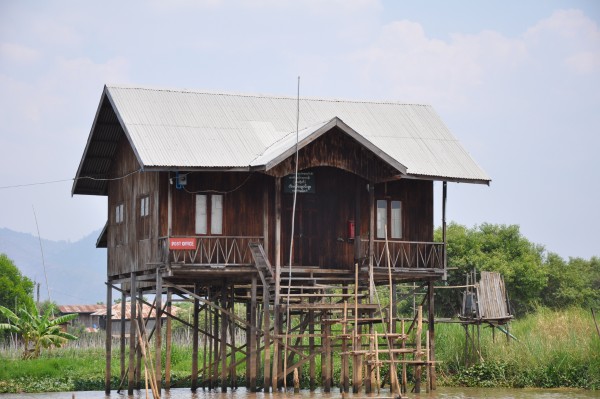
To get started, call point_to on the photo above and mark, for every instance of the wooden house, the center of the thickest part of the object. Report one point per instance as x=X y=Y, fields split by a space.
x=85 y=315
x=213 y=196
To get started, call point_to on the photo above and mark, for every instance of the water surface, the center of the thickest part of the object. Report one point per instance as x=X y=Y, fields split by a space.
x=241 y=393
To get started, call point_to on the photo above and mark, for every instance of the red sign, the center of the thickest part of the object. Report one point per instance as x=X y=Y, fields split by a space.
x=182 y=244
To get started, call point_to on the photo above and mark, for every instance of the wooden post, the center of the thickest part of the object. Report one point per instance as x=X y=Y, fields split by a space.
x=404 y=387
x=169 y=340
x=326 y=358
x=357 y=243
x=311 y=349
x=356 y=364
x=345 y=382
x=431 y=336
x=138 y=354
x=444 y=237
x=232 y=353
x=251 y=346
x=158 y=331
x=266 y=219
x=418 y=359
x=371 y=240
x=267 y=341
x=122 y=332
x=276 y=308
x=224 y=327
x=107 y=376
x=196 y=310
x=132 y=337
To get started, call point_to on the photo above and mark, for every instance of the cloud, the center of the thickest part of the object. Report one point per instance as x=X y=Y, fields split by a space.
x=18 y=53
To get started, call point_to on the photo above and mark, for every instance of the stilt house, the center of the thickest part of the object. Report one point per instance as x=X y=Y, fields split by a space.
x=202 y=188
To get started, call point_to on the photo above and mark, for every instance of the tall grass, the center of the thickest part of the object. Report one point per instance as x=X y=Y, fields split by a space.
x=553 y=349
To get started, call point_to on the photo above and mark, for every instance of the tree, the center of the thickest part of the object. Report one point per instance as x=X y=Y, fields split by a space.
x=572 y=283
x=16 y=290
x=36 y=331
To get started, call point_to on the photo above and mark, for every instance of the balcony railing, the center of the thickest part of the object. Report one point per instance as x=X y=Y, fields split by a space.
x=406 y=254
x=211 y=250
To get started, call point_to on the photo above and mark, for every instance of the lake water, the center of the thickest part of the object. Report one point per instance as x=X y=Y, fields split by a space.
x=440 y=393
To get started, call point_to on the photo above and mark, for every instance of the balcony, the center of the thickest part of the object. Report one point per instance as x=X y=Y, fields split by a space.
x=208 y=250
x=406 y=254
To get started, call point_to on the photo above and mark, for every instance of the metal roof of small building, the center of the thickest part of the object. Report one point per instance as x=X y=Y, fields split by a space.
x=184 y=129
x=80 y=308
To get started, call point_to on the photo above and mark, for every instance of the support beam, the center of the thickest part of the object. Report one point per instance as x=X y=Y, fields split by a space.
x=196 y=310
x=444 y=237
x=371 y=239
x=252 y=358
x=122 y=332
x=132 y=334
x=168 y=344
x=431 y=326
x=107 y=375
x=224 y=327
x=158 y=331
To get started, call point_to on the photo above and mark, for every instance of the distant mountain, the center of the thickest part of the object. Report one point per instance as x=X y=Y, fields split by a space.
x=76 y=270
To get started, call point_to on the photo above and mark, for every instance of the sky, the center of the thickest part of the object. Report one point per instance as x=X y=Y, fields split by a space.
x=517 y=82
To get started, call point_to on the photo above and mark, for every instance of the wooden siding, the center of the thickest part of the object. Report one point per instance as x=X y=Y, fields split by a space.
x=335 y=148
x=321 y=236
x=133 y=243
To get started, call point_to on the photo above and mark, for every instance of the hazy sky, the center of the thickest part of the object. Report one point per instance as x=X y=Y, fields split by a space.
x=517 y=82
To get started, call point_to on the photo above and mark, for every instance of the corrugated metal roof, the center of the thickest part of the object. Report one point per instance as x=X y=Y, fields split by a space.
x=81 y=308
x=147 y=311
x=192 y=129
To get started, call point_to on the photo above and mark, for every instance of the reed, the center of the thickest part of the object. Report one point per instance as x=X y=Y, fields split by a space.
x=554 y=349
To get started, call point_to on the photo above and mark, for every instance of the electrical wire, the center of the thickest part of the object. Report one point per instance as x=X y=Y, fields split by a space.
x=219 y=191
x=72 y=179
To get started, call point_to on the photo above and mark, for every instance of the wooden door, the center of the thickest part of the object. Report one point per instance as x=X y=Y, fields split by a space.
x=306 y=230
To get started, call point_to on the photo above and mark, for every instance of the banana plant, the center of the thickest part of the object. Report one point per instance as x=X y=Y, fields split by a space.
x=37 y=331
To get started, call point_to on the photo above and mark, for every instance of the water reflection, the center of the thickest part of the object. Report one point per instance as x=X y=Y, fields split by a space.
x=441 y=393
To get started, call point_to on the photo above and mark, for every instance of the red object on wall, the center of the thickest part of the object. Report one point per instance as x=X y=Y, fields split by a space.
x=351 y=229
x=182 y=244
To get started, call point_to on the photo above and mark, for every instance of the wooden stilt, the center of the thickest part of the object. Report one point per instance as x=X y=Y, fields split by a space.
x=326 y=357
x=267 y=341
x=169 y=340
x=108 y=342
x=431 y=326
x=418 y=358
x=252 y=338
x=195 y=312
x=223 y=346
x=158 y=332
x=345 y=381
x=132 y=337
x=122 y=339
x=138 y=353
x=311 y=349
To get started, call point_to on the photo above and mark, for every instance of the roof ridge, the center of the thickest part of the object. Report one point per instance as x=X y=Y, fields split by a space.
x=261 y=95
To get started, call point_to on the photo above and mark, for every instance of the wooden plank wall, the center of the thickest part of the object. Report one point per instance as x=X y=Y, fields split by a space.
x=134 y=242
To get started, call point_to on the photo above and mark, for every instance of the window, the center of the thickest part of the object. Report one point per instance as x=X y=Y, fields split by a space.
x=201 y=216
x=396 y=219
x=144 y=206
x=381 y=218
x=119 y=213
x=215 y=212
x=392 y=218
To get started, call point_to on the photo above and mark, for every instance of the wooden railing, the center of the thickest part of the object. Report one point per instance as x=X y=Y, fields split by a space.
x=211 y=250
x=406 y=254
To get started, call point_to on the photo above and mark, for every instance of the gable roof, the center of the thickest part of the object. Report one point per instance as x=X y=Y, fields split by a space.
x=183 y=129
